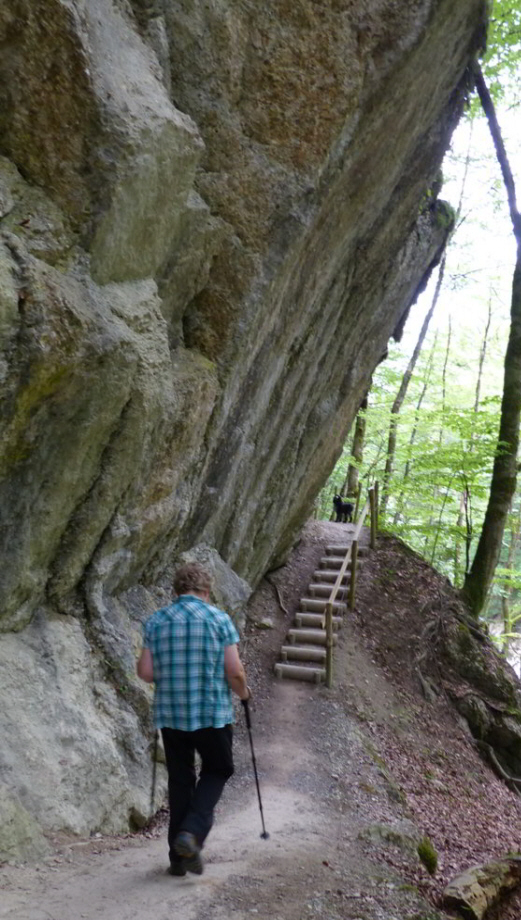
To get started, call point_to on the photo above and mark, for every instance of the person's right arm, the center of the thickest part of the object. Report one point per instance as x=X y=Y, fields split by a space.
x=235 y=674
x=145 y=667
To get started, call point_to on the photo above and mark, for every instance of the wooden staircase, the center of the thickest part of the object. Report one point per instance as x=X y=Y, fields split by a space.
x=307 y=639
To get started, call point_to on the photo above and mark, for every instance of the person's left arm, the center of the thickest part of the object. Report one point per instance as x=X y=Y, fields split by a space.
x=233 y=667
x=235 y=674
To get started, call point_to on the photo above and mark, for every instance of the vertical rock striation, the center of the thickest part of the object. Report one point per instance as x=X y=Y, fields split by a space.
x=212 y=219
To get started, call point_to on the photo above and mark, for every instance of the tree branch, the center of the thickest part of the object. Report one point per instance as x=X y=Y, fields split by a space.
x=508 y=179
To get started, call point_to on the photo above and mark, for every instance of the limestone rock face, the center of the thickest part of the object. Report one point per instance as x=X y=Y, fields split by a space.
x=212 y=219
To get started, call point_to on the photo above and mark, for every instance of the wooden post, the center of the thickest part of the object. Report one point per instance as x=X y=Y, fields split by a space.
x=376 y=506
x=357 y=503
x=373 y=523
x=329 y=645
x=352 y=583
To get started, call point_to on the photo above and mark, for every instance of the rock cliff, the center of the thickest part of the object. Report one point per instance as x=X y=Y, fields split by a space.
x=213 y=216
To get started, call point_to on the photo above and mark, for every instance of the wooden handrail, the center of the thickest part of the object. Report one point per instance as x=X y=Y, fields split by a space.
x=358 y=528
x=369 y=506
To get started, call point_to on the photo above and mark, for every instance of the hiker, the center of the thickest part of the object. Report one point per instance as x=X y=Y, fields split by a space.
x=190 y=653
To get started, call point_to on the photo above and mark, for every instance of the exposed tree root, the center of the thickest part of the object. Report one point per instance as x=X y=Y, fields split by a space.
x=513 y=782
x=279 y=596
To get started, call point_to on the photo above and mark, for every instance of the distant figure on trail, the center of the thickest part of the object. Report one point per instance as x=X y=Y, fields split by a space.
x=190 y=653
x=344 y=510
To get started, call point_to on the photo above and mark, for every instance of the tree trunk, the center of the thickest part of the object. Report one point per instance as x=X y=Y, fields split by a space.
x=438 y=529
x=444 y=383
x=513 y=547
x=482 y=356
x=351 y=484
x=414 y=431
x=400 y=396
x=466 y=503
x=504 y=476
x=457 y=553
x=465 y=508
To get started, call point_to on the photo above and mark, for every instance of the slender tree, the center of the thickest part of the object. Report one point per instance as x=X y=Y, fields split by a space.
x=504 y=475
x=438 y=528
x=400 y=396
x=465 y=508
x=506 y=597
x=350 y=486
x=482 y=356
x=444 y=383
x=407 y=468
x=444 y=371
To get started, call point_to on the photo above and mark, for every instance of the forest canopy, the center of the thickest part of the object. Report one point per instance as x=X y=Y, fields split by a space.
x=434 y=442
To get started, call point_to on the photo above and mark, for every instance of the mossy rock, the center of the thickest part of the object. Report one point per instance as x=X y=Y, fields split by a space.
x=21 y=837
x=402 y=838
x=479 y=663
x=476 y=713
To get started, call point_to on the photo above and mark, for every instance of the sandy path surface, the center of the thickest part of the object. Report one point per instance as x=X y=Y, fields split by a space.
x=324 y=791
x=133 y=882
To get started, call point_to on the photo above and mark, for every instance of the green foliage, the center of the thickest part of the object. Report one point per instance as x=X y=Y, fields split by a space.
x=428 y=855
x=444 y=451
x=428 y=916
x=445 y=215
x=503 y=55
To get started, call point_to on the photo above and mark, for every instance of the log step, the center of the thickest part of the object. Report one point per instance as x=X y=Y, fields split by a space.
x=300 y=672
x=318 y=605
x=329 y=576
x=313 y=636
x=333 y=563
x=337 y=550
x=311 y=620
x=305 y=647
x=315 y=621
x=319 y=590
x=302 y=653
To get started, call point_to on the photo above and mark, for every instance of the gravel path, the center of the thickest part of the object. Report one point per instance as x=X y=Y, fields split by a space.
x=332 y=810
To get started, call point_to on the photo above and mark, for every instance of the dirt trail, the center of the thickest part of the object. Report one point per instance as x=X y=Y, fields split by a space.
x=323 y=788
x=132 y=882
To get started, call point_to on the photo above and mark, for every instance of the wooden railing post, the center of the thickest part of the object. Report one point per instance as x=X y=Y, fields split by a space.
x=373 y=518
x=357 y=503
x=352 y=583
x=329 y=645
x=376 y=506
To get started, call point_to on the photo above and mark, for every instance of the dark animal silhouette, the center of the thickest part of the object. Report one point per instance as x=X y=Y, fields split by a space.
x=344 y=510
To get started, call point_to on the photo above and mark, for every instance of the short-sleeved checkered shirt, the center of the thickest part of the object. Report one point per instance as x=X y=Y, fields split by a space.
x=187 y=641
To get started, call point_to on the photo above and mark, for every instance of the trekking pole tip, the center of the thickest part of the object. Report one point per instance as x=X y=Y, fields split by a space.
x=265 y=835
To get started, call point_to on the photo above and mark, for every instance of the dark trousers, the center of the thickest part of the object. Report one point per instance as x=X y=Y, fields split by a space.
x=193 y=800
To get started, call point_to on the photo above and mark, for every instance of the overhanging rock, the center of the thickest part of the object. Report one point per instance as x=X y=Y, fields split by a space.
x=211 y=222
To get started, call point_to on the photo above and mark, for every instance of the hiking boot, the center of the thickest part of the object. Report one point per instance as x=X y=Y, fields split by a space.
x=186 y=846
x=177 y=868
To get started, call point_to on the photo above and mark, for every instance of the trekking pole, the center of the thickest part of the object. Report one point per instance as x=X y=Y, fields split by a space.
x=154 y=771
x=264 y=834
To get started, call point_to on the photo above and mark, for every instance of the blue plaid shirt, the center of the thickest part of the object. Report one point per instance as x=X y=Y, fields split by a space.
x=187 y=641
